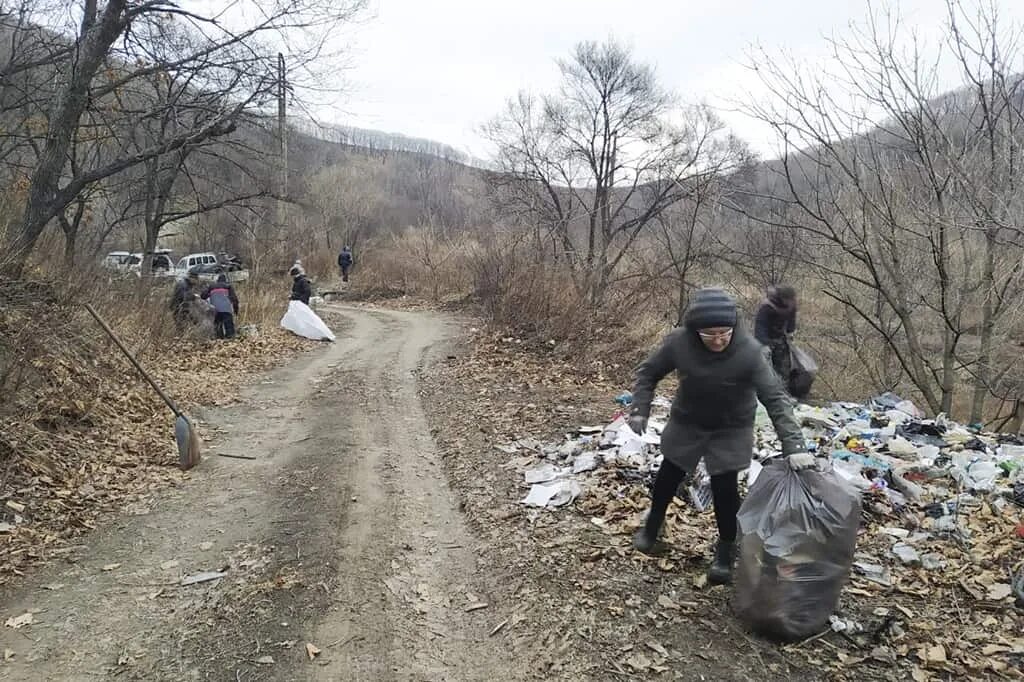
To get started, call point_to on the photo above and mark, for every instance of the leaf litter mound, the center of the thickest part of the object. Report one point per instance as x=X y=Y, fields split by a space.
x=81 y=434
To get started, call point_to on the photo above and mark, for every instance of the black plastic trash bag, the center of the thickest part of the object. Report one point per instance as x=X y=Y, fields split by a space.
x=802 y=373
x=798 y=532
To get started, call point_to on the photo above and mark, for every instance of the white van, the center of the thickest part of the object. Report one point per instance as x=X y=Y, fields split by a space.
x=195 y=259
x=208 y=266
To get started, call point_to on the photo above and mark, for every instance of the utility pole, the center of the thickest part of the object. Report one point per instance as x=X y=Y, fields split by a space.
x=282 y=136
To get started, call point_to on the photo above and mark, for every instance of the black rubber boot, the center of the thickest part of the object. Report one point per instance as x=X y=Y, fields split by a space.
x=644 y=541
x=720 y=572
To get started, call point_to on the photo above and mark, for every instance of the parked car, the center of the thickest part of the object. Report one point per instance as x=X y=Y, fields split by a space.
x=162 y=266
x=116 y=260
x=195 y=260
x=209 y=265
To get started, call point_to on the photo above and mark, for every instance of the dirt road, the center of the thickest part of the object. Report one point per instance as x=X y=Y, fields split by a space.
x=340 y=533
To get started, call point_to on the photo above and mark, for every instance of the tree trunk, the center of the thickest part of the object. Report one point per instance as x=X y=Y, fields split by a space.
x=948 y=387
x=683 y=302
x=1018 y=417
x=982 y=374
x=43 y=202
x=70 y=249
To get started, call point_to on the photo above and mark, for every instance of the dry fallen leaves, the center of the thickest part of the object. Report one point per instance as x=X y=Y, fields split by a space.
x=999 y=591
x=312 y=651
x=933 y=654
x=18 y=622
x=91 y=438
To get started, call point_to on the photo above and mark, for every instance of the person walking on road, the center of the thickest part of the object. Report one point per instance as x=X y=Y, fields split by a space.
x=225 y=306
x=723 y=372
x=345 y=262
x=301 y=287
x=775 y=325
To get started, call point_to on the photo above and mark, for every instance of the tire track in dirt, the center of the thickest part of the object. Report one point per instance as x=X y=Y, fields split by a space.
x=342 y=532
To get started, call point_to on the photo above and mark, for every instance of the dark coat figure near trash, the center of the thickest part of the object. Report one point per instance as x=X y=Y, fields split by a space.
x=301 y=287
x=723 y=372
x=225 y=306
x=774 y=324
x=181 y=298
x=345 y=262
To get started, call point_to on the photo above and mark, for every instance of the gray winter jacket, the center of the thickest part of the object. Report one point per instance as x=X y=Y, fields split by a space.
x=713 y=412
x=222 y=296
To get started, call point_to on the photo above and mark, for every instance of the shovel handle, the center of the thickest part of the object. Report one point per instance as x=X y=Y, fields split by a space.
x=135 y=363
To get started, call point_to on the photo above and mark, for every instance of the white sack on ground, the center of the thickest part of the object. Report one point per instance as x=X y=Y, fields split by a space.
x=301 y=320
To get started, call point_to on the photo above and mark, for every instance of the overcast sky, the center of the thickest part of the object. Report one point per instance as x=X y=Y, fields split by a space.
x=440 y=68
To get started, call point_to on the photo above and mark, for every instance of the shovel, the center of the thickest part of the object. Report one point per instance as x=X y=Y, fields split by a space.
x=184 y=434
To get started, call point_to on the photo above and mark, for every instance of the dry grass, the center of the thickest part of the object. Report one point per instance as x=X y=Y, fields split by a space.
x=420 y=262
x=521 y=295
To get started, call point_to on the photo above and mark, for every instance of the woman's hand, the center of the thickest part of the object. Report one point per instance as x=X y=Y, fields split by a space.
x=801 y=460
x=639 y=424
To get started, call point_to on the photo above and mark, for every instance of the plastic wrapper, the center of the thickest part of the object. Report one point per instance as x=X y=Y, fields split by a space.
x=300 y=319
x=802 y=373
x=798 y=532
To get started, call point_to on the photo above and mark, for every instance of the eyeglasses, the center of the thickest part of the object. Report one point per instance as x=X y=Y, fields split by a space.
x=716 y=336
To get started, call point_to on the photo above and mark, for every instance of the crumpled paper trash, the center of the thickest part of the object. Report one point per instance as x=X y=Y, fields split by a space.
x=554 y=494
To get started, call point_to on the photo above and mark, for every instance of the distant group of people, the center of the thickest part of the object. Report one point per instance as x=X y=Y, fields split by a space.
x=221 y=296
x=302 y=288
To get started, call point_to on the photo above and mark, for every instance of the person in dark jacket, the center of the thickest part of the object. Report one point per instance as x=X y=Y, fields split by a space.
x=181 y=298
x=723 y=372
x=225 y=306
x=301 y=288
x=774 y=324
x=345 y=262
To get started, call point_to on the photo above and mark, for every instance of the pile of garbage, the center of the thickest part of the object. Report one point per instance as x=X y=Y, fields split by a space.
x=942 y=514
x=556 y=480
x=885 y=449
x=885 y=445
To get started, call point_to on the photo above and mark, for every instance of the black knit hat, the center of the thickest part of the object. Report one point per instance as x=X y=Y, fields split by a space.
x=711 y=308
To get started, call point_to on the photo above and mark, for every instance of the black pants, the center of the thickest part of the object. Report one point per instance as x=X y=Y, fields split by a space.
x=782 y=361
x=344 y=272
x=224 y=324
x=725 y=493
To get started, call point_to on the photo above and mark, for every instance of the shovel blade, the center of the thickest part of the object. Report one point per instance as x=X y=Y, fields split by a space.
x=188 y=444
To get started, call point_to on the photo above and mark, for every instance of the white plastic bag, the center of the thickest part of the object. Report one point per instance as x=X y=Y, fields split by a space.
x=301 y=320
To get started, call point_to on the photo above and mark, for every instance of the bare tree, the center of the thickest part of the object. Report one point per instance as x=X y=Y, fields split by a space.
x=125 y=38
x=433 y=247
x=596 y=164
x=910 y=222
x=688 y=233
x=348 y=200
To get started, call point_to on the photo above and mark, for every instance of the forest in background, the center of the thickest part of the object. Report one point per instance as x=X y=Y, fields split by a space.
x=893 y=206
